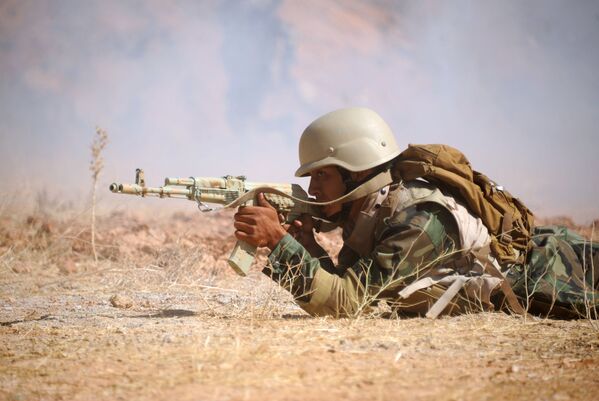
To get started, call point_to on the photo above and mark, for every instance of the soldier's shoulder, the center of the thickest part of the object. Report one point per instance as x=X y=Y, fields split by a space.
x=407 y=194
x=420 y=203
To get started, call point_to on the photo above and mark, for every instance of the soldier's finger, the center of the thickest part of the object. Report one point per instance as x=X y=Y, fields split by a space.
x=249 y=219
x=240 y=235
x=263 y=202
x=246 y=210
x=246 y=228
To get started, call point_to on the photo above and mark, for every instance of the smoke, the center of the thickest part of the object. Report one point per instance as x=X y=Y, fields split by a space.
x=212 y=88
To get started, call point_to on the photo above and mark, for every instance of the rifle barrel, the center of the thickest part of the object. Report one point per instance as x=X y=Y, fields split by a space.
x=134 y=189
x=207 y=195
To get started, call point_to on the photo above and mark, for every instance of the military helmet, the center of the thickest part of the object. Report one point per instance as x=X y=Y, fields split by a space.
x=355 y=139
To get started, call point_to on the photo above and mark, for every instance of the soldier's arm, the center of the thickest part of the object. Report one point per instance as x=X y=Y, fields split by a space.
x=411 y=241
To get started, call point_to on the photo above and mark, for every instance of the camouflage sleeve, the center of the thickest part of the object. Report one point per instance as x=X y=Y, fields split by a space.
x=411 y=241
x=293 y=267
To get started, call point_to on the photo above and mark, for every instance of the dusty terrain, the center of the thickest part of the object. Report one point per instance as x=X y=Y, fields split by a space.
x=161 y=316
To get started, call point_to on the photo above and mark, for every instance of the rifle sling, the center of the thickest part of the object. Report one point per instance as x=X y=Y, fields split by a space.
x=377 y=182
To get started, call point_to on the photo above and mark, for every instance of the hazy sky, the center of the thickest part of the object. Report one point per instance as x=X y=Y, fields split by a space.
x=226 y=87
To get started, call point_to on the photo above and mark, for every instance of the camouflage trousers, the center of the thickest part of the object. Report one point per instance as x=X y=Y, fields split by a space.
x=561 y=278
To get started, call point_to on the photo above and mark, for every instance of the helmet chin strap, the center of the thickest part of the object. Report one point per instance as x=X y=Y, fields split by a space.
x=350 y=185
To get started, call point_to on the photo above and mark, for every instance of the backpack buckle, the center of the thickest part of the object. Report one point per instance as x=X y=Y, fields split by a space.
x=505 y=239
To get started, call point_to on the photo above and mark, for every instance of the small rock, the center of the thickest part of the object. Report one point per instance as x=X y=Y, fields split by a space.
x=225 y=299
x=121 y=301
x=515 y=369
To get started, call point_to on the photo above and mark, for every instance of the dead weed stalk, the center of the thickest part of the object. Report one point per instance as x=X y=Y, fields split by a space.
x=97 y=163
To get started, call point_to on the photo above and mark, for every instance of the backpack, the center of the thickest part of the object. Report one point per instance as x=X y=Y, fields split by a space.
x=508 y=220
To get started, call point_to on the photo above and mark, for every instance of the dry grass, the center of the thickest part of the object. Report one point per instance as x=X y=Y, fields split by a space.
x=186 y=327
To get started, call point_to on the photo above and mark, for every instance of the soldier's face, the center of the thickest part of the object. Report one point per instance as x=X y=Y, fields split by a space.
x=326 y=184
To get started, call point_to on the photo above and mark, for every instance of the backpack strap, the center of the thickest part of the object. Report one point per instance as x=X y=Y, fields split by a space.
x=482 y=256
x=447 y=297
x=462 y=279
x=506 y=226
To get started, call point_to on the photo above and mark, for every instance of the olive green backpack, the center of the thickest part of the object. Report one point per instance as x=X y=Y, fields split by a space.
x=509 y=222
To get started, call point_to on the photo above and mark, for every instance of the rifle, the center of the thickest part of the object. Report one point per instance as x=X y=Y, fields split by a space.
x=229 y=191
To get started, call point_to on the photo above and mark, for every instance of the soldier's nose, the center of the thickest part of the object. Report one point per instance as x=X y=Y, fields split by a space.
x=313 y=190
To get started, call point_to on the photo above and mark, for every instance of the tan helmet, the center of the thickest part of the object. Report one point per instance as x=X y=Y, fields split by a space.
x=355 y=139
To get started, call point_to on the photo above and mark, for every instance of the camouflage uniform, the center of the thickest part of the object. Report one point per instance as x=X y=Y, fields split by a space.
x=561 y=277
x=418 y=239
x=412 y=240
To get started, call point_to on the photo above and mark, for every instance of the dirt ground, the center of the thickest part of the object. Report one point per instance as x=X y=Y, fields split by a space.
x=161 y=316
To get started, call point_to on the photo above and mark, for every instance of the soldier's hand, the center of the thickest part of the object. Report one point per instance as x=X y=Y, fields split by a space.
x=259 y=225
x=302 y=230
